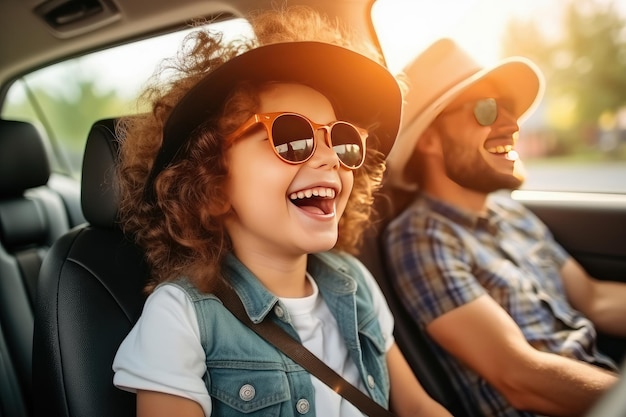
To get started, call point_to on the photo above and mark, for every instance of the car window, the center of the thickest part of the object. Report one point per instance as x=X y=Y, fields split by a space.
x=576 y=139
x=65 y=99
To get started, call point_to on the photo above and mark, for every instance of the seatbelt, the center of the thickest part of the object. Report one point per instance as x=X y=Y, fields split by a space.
x=276 y=336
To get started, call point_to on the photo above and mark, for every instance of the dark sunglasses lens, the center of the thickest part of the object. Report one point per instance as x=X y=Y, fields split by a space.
x=293 y=137
x=347 y=144
x=486 y=111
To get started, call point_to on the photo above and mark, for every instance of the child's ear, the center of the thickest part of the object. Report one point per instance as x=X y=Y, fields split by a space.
x=224 y=208
x=216 y=208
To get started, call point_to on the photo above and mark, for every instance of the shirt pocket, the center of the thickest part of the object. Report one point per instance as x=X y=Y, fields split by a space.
x=253 y=392
x=372 y=335
x=374 y=359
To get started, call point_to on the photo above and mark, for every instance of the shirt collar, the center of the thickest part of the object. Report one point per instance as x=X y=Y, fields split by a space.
x=330 y=277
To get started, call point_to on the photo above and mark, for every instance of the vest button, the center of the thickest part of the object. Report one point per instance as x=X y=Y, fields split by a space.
x=247 y=392
x=370 y=381
x=302 y=406
x=280 y=313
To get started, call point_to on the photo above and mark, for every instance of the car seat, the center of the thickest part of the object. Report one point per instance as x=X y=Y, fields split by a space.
x=90 y=295
x=411 y=338
x=32 y=217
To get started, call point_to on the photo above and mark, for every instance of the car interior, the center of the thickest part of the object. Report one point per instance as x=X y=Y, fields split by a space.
x=33 y=215
x=71 y=282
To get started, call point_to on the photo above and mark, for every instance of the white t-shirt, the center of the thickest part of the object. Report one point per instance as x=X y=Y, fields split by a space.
x=163 y=352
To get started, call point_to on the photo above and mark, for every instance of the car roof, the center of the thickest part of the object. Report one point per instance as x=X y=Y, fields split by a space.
x=39 y=32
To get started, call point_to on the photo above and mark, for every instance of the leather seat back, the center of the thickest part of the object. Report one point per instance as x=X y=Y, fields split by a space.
x=90 y=296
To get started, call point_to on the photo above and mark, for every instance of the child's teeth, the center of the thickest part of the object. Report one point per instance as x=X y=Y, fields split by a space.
x=314 y=192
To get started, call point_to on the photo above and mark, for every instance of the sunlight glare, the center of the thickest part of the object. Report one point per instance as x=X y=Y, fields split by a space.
x=406 y=27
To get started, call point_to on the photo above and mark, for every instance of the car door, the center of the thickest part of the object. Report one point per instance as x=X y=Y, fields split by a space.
x=592 y=228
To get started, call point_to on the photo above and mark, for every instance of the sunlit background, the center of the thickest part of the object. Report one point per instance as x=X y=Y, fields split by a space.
x=577 y=136
x=406 y=27
x=574 y=141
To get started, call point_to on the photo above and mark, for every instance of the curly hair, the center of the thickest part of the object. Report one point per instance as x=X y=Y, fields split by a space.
x=183 y=233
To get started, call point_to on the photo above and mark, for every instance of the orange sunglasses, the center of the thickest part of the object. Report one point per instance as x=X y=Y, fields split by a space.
x=292 y=136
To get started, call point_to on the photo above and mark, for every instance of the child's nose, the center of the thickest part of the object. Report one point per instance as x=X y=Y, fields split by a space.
x=324 y=153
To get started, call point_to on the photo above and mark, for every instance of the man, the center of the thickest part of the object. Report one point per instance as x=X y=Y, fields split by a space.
x=512 y=316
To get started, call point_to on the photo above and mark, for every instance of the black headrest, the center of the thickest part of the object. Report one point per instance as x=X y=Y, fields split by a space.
x=23 y=160
x=23 y=224
x=99 y=195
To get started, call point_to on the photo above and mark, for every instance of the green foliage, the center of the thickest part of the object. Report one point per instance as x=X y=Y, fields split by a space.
x=585 y=67
x=68 y=117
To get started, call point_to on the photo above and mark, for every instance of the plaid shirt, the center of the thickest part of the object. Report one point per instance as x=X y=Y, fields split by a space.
x=444 y=258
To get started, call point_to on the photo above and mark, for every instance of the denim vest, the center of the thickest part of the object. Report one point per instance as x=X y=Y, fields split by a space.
x=247 y=376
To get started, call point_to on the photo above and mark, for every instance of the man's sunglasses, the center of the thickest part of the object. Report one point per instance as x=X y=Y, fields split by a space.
x=292 y=137
x=485 y=110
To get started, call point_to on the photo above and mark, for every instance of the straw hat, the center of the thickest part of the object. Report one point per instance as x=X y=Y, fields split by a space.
x=436 y=77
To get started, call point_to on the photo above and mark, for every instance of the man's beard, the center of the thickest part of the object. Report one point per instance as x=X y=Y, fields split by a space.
x=468 y=168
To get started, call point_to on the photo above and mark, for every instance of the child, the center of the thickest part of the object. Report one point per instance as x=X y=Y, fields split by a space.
x=252 y=167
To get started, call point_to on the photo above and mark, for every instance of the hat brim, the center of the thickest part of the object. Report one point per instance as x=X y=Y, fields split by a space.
x=517 y=79
x=361 y=90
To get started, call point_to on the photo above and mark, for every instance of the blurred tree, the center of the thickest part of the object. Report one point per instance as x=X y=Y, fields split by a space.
x=585 y=66
x=72 y=118
x=68 y=117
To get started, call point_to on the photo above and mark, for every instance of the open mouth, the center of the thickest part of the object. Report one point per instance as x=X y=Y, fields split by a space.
x=316 y=200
